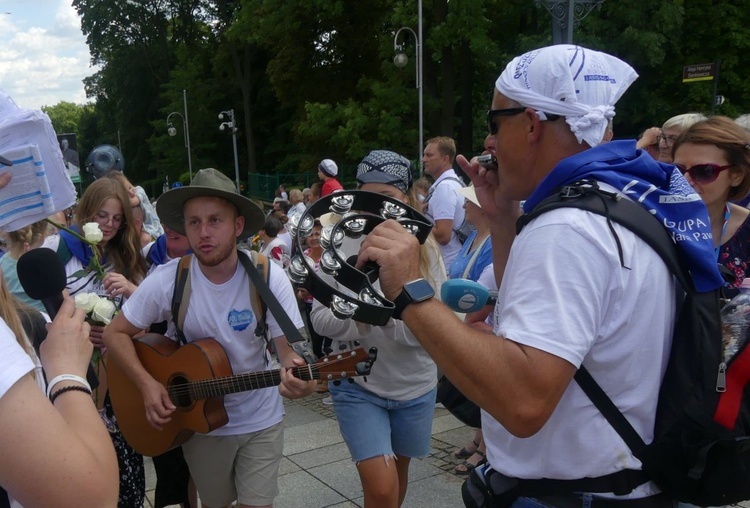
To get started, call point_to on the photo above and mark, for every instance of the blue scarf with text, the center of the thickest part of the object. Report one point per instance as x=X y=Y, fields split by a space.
x=658 y=187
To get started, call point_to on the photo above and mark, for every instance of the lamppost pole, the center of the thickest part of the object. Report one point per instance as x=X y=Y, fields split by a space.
x=185 y=131
x=231 y=125
x=401 y=60
x=421 y=86
x=187 y=134
x=567 y=15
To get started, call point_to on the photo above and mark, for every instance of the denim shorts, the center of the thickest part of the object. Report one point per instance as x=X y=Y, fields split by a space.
x=374 y=426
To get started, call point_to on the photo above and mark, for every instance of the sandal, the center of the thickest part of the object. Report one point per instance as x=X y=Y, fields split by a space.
x=468 y=466
x=465 y=453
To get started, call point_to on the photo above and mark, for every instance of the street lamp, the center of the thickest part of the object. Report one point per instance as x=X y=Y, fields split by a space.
x=185 y=131
x=401 y=60
x=229 y=124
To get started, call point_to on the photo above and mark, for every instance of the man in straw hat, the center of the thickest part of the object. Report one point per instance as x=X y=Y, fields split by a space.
x=572 y=291
x=239 y=461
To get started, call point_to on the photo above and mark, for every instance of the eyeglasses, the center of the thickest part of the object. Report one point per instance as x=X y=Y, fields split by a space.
x=703 y=173
x=668 y=140
x=493 y=113
x=103 y=217
x=492 y=126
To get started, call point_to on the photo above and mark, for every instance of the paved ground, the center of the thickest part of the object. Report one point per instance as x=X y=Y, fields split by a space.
x=317 y=471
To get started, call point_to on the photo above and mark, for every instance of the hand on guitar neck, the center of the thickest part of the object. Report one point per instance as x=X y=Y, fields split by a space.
x=186 y=394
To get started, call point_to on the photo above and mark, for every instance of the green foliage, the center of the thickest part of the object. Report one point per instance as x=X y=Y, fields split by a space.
x=310 y=79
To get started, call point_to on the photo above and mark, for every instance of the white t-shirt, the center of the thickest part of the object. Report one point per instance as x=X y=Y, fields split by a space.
x=277 y=251
x=446 y=204
x=565 y=292
x=487 y=279
x=224 y=313
x=15 y=362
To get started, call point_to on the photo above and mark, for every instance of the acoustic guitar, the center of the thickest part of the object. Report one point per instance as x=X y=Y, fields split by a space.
x=197 y=375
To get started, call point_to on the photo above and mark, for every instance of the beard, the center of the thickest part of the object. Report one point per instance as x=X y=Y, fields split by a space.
x=217 y=255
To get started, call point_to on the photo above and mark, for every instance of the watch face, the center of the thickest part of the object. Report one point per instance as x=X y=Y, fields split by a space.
x=419 y=290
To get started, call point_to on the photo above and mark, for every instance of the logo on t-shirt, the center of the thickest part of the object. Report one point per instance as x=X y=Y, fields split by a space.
x=240 y=319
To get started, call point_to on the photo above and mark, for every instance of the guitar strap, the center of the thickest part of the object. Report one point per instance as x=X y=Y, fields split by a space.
x=261 y=299
x=294 y=336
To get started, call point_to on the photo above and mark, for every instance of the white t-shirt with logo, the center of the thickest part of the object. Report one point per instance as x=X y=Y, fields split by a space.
x=223 y=312
x=15 y=362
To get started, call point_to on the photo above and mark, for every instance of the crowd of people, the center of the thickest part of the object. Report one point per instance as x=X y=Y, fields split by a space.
x=573 y=290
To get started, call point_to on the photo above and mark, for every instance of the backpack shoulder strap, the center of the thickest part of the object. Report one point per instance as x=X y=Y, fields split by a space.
x=260 y=261
x=589 y=197
x=181 y=295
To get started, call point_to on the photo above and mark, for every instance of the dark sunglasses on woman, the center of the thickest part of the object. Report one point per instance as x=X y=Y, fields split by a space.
x=703 y=173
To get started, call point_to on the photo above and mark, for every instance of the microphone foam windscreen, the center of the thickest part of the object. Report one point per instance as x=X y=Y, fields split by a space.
x=41 y=273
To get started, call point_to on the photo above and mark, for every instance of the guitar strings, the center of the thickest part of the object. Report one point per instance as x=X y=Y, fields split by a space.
x=263 y=379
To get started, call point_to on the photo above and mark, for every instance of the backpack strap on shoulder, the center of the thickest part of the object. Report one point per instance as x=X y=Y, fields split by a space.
x=260 y=261
x=181 y=296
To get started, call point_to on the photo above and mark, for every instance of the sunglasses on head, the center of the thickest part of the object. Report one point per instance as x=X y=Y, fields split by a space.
x=703 y=173
x=492 y=126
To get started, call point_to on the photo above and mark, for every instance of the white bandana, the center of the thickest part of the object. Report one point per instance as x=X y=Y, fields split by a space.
x=578 y=83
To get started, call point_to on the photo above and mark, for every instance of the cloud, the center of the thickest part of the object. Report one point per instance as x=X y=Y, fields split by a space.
x=46 y=58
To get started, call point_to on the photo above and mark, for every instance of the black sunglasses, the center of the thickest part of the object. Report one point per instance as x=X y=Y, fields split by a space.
x=492 y=126
x=703 y=173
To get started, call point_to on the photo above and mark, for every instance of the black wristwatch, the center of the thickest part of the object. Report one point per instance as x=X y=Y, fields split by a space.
x=415 y=291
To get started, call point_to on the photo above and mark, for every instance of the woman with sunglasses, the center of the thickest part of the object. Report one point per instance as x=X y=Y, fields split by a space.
x=106 y=202
x=714 y=156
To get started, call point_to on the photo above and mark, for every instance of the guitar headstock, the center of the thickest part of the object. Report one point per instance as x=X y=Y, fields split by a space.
x=346 y=364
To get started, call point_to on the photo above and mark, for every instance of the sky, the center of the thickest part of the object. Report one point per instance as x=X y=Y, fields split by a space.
x=43 y=54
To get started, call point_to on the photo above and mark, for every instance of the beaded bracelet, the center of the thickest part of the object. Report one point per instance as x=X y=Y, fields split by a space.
x=71 y=388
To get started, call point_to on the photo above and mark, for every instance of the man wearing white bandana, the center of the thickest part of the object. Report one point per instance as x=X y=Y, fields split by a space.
x=565 y=299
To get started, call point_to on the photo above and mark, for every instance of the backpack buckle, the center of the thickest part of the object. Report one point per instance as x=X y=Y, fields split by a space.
x=578 y=189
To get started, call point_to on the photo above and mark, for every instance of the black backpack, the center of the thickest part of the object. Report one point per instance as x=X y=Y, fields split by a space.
x=701 y=449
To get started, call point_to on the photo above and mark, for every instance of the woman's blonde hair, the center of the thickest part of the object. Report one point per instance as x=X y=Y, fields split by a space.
x=9 y=313
x=28 y=235
x=123 y=253
x=429 y=251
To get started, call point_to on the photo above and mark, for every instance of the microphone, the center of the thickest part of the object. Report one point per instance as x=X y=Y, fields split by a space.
x=42 y=276
x=463 y=295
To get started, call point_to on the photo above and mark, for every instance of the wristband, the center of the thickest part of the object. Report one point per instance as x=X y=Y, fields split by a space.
x=72 y=388
x=67 y=377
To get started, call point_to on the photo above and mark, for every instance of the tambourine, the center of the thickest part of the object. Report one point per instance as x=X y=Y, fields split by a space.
x=359 y=212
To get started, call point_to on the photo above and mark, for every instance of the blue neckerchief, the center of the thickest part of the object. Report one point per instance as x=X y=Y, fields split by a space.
x=80 y=249
x=157 y=254
x=658 y=187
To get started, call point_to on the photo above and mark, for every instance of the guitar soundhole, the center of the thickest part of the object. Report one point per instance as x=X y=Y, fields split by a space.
x=179 y=392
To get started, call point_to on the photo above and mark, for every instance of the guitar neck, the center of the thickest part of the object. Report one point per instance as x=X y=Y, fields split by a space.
x=245 y=382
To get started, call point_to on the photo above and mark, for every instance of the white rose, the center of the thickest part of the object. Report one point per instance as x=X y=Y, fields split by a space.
x=92 y=233
x=103 y=311
x=86 y=301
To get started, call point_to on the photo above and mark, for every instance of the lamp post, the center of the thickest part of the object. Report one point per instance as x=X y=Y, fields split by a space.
x=229 y=124
x=401 y=60
x=567 y=15
x=185 y=131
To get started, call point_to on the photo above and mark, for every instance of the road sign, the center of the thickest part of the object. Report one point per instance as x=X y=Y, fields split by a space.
x=698 y=72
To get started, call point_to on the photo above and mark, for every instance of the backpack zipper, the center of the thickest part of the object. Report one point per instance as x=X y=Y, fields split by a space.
x=721 y=379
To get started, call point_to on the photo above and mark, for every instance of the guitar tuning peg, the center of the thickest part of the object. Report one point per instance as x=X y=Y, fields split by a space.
x=364 y=378
x=350 y=380
x=342 y=347
x=337 y=382
x=357 y=343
